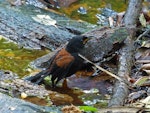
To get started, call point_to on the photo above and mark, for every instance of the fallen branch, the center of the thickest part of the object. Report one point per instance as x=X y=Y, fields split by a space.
x=143 y=61
x=143 y=34
x=126 y=56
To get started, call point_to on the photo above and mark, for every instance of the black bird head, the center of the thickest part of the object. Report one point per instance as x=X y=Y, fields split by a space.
x=76 y=44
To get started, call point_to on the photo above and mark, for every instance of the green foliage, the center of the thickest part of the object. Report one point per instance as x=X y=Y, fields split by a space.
x=47 y=80
x=88 y=109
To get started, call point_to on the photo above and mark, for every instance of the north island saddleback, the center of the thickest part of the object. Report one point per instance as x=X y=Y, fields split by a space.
x=65 y=62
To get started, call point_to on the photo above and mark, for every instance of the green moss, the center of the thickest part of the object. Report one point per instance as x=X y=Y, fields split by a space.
x=92 y=9
x=17 y=59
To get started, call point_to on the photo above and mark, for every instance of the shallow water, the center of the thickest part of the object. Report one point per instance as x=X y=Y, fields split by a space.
x=78 y=91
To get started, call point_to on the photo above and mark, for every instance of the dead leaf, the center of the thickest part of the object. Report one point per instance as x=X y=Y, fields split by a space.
x=142 y=20
x=146 y=67
x=146 y=44
x=146 y=101
x=71 y=109
x=147 y=71
x=141 y=81
x=121 y=110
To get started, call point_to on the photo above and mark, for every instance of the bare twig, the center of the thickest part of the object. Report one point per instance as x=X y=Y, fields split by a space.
x=126 y=56
x=144 y=33
x=102 y=69
x=143 y=61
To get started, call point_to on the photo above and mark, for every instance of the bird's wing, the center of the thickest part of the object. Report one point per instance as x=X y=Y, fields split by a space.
x=63 y=59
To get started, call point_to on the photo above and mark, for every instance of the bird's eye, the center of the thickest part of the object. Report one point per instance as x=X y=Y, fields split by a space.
x=85 y=39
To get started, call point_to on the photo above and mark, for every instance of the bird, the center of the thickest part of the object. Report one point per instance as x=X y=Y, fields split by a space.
x=65 y=62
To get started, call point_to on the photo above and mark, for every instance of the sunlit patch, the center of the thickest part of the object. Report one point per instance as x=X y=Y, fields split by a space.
x=45 y=19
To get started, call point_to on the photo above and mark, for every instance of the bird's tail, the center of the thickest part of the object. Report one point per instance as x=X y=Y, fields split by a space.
x=38 y=78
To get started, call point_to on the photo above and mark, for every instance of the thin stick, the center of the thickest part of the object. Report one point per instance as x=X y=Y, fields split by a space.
x=143 y=61
x=145 y=32
x=102 y=69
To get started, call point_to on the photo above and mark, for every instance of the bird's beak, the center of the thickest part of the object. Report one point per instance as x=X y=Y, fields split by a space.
x=87 y=39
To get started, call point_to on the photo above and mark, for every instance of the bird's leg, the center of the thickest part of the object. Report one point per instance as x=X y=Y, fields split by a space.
x=58 y=79
x=53 y=78
x=53 y=84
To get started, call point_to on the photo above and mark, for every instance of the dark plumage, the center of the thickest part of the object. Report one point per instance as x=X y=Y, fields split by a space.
x=64 y=63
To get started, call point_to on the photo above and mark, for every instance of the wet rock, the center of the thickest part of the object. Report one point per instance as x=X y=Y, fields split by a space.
x=36 y=3
x=104 y=15
x=14 y=105
x=105 y=42
x=29 y=27
x=12 y=85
